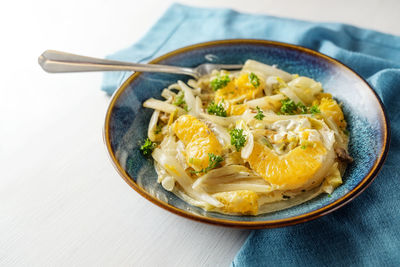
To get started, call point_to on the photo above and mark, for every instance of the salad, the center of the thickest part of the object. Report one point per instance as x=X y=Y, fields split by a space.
x=248 y=142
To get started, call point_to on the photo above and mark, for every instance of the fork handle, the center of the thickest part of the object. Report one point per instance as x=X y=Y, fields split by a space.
x=57 y=61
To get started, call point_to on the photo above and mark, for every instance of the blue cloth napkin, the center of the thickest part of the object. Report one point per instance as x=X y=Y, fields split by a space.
x=366 y=232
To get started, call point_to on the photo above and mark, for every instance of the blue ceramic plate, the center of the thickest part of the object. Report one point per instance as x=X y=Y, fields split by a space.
x=126 y=126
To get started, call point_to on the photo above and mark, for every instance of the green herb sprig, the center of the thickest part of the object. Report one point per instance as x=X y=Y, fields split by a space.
x=216 y=109
x=260 y=115
x=148 y=147
x=180 y=101
x=254 y=80
x=238 y=139
x=289 y=107
x=220 y=82
x=213 y=162
x=314 y=110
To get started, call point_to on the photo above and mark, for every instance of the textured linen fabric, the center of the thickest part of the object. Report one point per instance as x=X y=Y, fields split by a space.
x=366 y=232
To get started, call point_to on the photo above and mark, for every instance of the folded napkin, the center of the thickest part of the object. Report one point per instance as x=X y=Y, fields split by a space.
x=365 y=232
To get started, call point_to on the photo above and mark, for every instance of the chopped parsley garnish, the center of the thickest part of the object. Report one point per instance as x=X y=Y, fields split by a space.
x=216 y=109
x=180 y=101
x=315 y=110
x=289 y=107
x=260 y=115
x=220 y=82
x=303 y=147
x=302 y=108
x=254 y=80
x=238 y=139
x=148 y=147
x=213 y=162
x=346 y=132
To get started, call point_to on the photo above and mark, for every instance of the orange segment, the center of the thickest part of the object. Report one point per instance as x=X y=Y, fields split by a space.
x=236 y=109
x=227 y=92
x=323 y=95
x=197 y=151
x=241 y=201
x=238 y=90
x=198 y=139
x=332 y=109
x=290 y=171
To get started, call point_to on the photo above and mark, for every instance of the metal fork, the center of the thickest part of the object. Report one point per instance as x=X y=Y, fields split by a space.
x=57 y=61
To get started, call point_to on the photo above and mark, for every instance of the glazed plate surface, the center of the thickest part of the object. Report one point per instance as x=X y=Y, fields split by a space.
x=126 y=126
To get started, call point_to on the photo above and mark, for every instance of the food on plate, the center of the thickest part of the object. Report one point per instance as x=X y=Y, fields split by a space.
x=248 y=142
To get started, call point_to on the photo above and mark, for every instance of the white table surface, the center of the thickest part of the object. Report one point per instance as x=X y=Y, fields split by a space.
x=61 y=201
